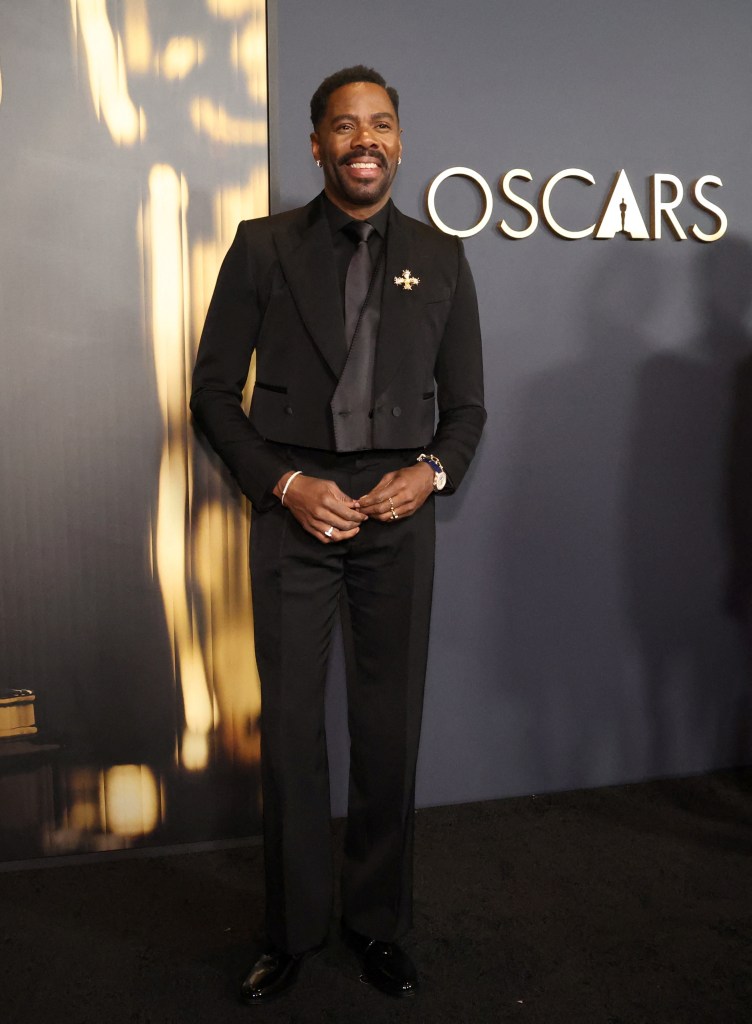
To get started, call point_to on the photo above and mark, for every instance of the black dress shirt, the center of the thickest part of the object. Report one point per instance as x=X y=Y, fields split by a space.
x=345 y=244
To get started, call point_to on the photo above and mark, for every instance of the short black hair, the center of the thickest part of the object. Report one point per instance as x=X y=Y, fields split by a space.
x=358 y=73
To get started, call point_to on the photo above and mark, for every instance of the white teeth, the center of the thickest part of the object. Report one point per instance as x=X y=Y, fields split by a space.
x=363 y=165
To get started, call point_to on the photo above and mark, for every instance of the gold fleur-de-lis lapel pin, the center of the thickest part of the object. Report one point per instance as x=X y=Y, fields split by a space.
x=407 y=281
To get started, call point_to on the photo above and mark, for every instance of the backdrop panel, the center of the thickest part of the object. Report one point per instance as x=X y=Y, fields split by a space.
x=133 y=139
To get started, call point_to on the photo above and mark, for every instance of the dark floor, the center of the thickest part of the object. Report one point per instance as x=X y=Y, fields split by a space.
x=628 y=905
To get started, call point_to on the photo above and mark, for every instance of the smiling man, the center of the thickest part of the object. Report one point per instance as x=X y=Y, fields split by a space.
x=364 y=323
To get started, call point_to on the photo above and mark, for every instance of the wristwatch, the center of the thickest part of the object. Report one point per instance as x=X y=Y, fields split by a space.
x=439 y=476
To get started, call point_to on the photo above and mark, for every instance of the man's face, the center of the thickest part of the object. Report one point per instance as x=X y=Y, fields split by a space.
x=358 y=144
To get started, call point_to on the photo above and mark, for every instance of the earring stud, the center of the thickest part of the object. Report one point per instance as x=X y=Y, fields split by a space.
x=318 y=163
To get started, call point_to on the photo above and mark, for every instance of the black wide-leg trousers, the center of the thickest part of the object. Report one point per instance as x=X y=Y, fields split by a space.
x=387 y=575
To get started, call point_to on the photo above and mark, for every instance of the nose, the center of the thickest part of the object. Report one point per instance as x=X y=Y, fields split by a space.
x=363 y=137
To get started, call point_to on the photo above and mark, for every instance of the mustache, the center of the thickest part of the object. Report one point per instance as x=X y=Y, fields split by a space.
x=362 y=154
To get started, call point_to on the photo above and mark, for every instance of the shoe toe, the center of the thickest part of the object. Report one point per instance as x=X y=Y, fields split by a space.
x=388 y=968
x=271 y=974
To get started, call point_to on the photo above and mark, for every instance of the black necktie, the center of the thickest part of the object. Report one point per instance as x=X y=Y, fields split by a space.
x=358 y=280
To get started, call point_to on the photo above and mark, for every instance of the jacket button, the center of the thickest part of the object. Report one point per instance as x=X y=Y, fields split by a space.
x=396 y=411
x=288 y=410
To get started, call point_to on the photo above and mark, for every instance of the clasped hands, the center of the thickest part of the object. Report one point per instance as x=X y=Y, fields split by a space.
x=330 y=515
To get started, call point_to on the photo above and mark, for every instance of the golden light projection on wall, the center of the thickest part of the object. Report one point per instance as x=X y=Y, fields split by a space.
x=181 y=56
x=106 y=809
x=213 y=121
x=107 y=75
x=129 y=800
x=166 y=239
x=137 y=37
x=199 y=539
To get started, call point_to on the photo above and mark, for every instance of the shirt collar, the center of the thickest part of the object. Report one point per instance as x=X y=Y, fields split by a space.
x=338 y=219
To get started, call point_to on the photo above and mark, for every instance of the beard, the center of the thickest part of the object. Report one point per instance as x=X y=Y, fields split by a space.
x=359 y=193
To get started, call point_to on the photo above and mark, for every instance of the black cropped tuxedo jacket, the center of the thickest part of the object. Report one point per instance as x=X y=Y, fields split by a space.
x=277 y=293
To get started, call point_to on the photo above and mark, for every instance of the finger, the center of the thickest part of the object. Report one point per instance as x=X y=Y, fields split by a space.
x=327 y=508
x=328 y=521
x=378 y=492
x=313 y=495
x=341 y=498
x=345 y=534
x=331 y=529
x=399 y=490
x=335 y=514
x=339 y=495
x=387 y=517
x=403 y=504
x=390 y=511
x=396 y=504
x=376 y=501
x=330 y=535
x=318 y=522
x=344 y=507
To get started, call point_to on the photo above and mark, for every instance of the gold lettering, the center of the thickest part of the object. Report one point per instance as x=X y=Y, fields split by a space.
x=516 y=200
x=660 y=208
x=621 y=212
x=717 y=212
x=570 y=172
x=464 y=172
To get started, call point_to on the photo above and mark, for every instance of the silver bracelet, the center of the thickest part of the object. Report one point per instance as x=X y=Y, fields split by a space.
x=290 y=479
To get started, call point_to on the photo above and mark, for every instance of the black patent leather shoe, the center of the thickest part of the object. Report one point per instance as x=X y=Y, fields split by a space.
x=383 y=965
x=273 y=973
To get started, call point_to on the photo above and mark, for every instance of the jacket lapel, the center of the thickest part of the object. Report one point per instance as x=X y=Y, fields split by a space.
x=400 y=309
x=307 y=258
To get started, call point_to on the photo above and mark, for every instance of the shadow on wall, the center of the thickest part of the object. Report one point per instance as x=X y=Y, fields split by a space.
x=739 y=476
x=563 y=599
x=616 y=506
x=677 y=581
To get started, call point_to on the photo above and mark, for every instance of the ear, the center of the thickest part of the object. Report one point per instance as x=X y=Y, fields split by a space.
x=315 y=147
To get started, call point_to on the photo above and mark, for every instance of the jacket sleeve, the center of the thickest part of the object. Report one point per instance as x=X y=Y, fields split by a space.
x=459 y=381
x=224 y=356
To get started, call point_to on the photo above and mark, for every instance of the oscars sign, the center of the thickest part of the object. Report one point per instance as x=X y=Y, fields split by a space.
x=619 y=213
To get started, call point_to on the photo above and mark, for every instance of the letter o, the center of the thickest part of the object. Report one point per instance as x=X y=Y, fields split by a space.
x=465 y=172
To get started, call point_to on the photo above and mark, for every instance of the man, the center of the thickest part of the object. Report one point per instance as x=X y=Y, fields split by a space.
x=362 y=320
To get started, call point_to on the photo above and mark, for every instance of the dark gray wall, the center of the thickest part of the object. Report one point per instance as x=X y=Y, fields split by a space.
x=578 y=635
